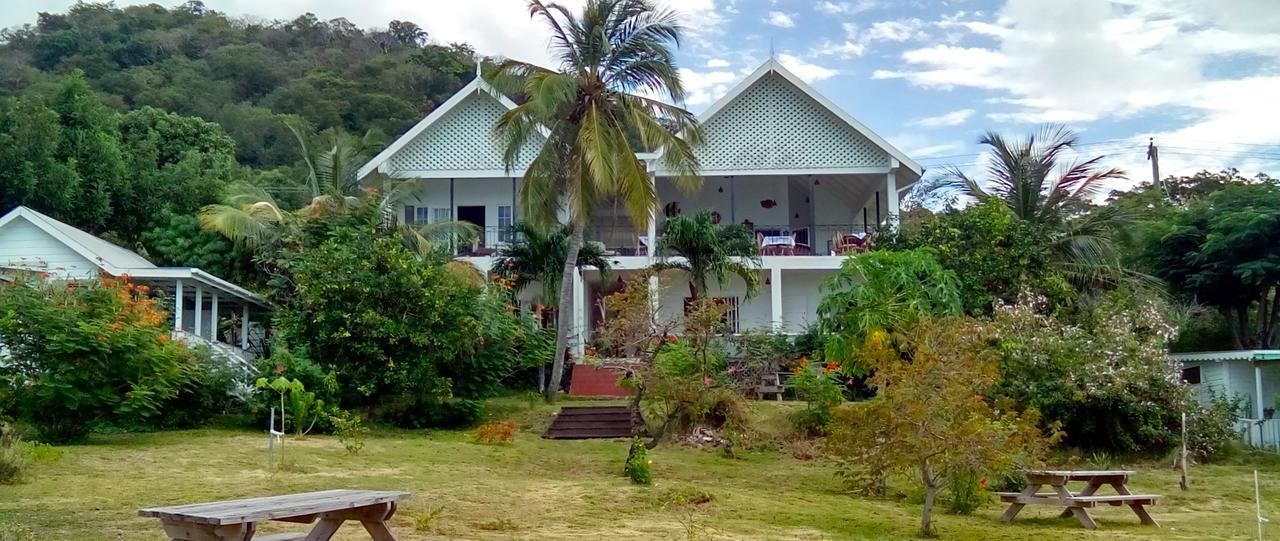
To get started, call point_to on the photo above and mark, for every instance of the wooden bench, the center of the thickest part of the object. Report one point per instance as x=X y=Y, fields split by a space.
x=236 y=520
x=1076 y=502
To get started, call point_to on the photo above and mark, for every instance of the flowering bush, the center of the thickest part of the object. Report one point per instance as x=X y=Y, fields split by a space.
x=1108 y=381
x=638 y=464
x=1211 y=430
x=83 y=353
x=821 y=390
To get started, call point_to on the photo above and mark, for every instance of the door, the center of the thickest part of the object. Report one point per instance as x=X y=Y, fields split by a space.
x=475 y=215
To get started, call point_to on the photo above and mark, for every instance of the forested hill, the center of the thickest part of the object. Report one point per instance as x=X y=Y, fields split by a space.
x=125 y=122
x=241 y=74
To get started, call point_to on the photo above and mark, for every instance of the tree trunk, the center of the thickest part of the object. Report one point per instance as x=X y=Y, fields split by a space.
x=930 y=493
x=1237 y=341
x=1269 y=326
x=564 y=316
x=1242 y=319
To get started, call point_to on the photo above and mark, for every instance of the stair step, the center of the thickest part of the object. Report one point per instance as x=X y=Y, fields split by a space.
x=590 y=422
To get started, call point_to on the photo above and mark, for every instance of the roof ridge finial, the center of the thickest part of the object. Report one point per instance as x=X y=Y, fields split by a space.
x=478 y=63
x=771 y=52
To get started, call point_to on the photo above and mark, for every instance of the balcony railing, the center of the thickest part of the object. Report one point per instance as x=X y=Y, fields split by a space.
x=774 y=240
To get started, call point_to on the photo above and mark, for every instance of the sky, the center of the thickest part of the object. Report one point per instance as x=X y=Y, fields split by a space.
x=1202 y=77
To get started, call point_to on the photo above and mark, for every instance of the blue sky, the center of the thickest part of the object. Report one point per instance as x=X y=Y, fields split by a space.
x=1201 y=76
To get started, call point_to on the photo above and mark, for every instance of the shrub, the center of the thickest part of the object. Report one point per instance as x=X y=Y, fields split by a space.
x=349 y=429
x=821 y=390
x=500 y=433
x=215 y=388
x=638 y=464
x=88 y=353
x=1211 y=430
x=1108 y=382
x=13 y=459
x=968 y=490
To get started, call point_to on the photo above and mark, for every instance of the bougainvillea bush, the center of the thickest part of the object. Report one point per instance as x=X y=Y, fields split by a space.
x=84 y=353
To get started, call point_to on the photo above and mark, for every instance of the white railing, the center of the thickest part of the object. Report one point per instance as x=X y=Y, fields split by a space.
x=229 y=354
x=1260 y=433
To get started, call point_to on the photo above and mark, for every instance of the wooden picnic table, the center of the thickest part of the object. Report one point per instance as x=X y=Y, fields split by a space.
x=1077 y=502
x=236 y=520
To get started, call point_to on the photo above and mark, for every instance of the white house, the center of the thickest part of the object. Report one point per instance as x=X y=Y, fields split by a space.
x=1253 y=375
x=779 y=158
x=31 y=242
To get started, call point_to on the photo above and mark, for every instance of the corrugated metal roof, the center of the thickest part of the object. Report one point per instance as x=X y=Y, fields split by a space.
x=95 y=249
x=1237 y=355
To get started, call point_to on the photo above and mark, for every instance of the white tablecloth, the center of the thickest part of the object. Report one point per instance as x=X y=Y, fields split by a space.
x=780 y=240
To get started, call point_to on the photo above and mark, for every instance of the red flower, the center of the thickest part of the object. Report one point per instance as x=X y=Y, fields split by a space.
x=983 y=481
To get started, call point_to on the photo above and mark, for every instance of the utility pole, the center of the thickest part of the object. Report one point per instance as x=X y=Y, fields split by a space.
x=1153 y=155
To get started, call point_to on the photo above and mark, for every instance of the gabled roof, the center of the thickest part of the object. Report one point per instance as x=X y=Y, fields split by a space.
x=1219 y=356
x=118 y=261
x=772 y=67
x=109 y=256
x=478 y=88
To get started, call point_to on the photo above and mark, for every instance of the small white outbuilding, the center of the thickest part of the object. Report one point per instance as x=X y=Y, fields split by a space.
x=1251 y=374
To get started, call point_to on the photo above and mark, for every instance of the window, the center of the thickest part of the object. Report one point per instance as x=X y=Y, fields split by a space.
x=421 y=215
x=439 y=214
x=1191 y=375
x=408 y=214
x=504 y=224
x=730 y=318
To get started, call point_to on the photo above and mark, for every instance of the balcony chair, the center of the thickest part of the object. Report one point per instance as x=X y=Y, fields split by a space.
x=850 y=244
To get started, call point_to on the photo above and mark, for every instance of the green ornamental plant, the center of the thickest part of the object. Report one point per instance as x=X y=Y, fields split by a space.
x=638 y=467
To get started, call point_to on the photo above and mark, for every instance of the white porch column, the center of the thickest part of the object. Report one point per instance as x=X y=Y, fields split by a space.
x=775 y=297
x=1257 y=389
x=579 y=315
x=199 y=310
x=891 y=194
x=213 y=318
x=244 y=327
x=177 y=305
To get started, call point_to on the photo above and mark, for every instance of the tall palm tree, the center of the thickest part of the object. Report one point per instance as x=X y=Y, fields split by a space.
x=708 y=250
x=613 y=56
x=1030 y=177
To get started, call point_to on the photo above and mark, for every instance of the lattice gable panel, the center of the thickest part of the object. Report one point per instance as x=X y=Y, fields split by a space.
x=774 y=125
x=463 y=140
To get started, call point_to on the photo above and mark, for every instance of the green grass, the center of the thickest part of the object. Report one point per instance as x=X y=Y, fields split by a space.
x=539 y=489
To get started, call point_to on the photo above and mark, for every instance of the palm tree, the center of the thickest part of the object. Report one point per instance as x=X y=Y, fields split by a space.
x=1028 y=176
x=537 y=255
x=251 y=216
x=613 y=56
x=708 y=250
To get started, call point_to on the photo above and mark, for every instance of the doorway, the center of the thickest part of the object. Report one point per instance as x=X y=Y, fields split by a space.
x=475 y=215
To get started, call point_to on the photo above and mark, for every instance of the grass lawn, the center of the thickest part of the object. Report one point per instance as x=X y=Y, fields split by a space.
x=539 y=489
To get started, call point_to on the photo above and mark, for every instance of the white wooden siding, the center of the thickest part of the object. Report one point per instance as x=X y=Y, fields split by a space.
x=25 y=246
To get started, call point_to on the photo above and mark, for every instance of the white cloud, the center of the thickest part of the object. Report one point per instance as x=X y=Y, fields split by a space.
x=703 y=87
x=846 y=8
x=780 y=19
x=717 y=63
x=954 y=118
x=1042 y=116
x=848 y=49
x=806 y=71
x=899 y=30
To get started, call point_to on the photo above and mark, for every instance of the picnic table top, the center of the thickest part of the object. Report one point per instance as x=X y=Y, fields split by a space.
x=1082 y=474
x=273 y=507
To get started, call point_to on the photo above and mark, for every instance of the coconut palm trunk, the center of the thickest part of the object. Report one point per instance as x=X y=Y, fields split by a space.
x=564 y=315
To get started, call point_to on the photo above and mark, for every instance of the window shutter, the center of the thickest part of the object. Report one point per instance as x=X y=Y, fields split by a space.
x=408 y=214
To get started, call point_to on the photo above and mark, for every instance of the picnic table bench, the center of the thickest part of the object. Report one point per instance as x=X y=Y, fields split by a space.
x=1076 y=503
x=236 y=520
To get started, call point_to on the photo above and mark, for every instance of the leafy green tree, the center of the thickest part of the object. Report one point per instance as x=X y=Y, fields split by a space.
x=709 y=250
x=613 y=56
x=90 y=146
x=1222 y=250
x=92 y=353
x=879 y=292
x=181 y=242
x=31 y=170
x=994 y=255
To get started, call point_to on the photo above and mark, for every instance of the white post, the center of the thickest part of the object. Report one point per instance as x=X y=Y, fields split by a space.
x=891 y=195
x=579 y=312
x=199 y=311
x=775 y=297
x=1257 y=388
x=244 y=327
x=177 y=305
x=213 y=318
